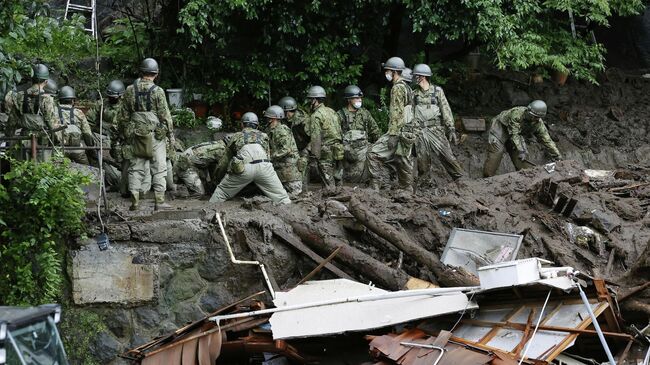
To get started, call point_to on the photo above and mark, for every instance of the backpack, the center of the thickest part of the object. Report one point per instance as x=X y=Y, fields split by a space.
x=32 y=120
x=143 y=124
x=427 y=114
x=72 y=132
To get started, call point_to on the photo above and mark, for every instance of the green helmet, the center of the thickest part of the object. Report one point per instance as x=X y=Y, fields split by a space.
x=115 y=88
x=316 y=92
x=407 y=75
x=288 y=104
x=422 y=70
x=41 y=72
x=51 y=87
x=352 y=91
x=275 y=112
x=537 y=108
x=67 y=93
x=394 y=63
x=149 y=65
x=250 y=119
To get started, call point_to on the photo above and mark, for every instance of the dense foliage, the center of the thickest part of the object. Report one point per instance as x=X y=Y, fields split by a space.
x=43 y=206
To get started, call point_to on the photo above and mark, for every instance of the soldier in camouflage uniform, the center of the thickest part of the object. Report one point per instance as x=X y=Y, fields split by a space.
x=298 y=121
x=326 y=139
x=431 y=112
x=284 y=153
x=146 y=121
x=115 y=169
x=246 y=161
x=508 y=132
x=193 y=165
x=396 y=145
x=33 y=103
x=77 y=132
x=359 y=131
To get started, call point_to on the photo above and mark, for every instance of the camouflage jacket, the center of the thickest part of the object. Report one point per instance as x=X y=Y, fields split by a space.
x=14 y=102
x=284 y=154
x=202 y=155
x=108 y=119
x=431 y=108
x=359 y=120
x=517 y=128
x=79 y=120
x=400 y=96
x=299 y=124
x=325 y=126
x=158 y=106
x=237 y=141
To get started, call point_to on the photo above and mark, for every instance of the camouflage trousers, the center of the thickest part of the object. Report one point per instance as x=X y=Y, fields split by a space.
x=293 y=188
x=124 y=179
x=381 y=154
x=496 y=149
x=432 y=142
x=331 y=172
x=261 y=174
x=355 y=165
x=157 y=166
x=191 y=179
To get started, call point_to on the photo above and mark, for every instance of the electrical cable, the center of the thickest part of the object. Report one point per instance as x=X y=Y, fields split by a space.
x=539 y=320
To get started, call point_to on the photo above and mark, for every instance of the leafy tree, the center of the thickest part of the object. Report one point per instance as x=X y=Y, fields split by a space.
x=43 y=206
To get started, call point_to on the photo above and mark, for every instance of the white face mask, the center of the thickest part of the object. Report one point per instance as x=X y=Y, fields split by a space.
x=357 y=104
x=389 y=76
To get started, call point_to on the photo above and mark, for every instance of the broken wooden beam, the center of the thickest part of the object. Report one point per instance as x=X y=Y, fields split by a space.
x=359 y=261
x=444 y=274
x=298 y=245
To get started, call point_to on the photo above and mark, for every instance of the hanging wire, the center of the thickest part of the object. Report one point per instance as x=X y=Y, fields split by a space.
x=539 y=320
x=100 y=153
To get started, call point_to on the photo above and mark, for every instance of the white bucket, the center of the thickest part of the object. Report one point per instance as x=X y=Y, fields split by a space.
x=175 y=97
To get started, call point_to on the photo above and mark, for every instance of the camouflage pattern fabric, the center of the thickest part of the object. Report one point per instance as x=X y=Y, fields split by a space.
x=76 y=126
x=284 y=153
x=326 y=132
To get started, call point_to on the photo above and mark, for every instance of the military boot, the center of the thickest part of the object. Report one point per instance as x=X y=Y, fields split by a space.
x=135 y=200
x=160 y=201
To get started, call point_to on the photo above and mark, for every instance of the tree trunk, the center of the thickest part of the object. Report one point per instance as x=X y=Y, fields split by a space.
x=446 y=275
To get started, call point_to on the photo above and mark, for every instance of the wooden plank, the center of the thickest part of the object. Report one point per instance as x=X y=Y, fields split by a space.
x=603 y=295
x=569 y=339
x=521 y=326
x=298 y=245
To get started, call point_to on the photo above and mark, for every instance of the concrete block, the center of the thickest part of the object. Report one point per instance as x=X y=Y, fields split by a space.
x=111 y=277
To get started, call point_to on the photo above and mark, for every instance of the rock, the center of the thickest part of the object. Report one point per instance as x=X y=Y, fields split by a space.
x=119 y=232
x=215 y=298
x=605 y=222
x=119 y=323
x=147 y=317
x=168 y=231
x=184 y=285
x=105 y=347
x=187 y=312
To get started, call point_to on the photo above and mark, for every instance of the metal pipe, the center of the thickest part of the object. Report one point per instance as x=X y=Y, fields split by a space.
x=33 y=147
x=241 y=262
x=357 y=299
x=426 y=346
x=594 y=321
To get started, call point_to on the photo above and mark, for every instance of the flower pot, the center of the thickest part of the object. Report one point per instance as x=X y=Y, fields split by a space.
x=560 y=77
x=537 y=79
x=200 y=109
x=175 y=97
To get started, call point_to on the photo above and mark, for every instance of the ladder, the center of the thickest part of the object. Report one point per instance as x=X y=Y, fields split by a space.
x=84 y=8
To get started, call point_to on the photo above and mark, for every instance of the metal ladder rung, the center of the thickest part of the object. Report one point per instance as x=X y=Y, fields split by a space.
x=80 y=7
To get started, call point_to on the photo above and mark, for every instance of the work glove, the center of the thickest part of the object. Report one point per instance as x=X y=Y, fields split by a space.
x=453 y=139
x=522 y=155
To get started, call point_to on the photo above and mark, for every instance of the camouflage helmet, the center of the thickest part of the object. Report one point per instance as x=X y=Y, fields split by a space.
x=316 y=92
x=149 y=65
x=115 y=88
x=41 y=72
x=250 y=119
x=394 y=63
x=288 y=104
x=67 y=93
x=407 y=75
x=352 y=91
x=422 y=70
x=274 y=112
x=51 y=87
x=537 y=108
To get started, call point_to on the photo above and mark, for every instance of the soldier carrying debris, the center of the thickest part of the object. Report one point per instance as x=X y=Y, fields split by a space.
x=507 y=134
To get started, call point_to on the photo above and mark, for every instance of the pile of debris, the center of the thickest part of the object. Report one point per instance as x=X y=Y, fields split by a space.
x=461 y=274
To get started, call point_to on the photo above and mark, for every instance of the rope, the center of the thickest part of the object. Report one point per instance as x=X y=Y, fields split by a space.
x=102 y=191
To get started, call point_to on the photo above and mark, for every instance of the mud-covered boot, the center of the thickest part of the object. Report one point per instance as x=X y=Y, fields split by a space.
x=160 y=201
x=135 y=200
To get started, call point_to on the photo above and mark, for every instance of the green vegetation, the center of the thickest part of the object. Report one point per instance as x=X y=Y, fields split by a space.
x=43 y=206
x=79 y=327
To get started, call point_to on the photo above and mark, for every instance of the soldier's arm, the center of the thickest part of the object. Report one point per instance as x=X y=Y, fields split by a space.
x=85 y=128
x=372 y=129
x=398 y=99
x=315 y=142
x=122 y=116
x=445 y=111
x=222 y=168
x=543 y=137
x=513 y=125
x=93 y=115
x=51 y=118
x=164 y=115
x=282 y=145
